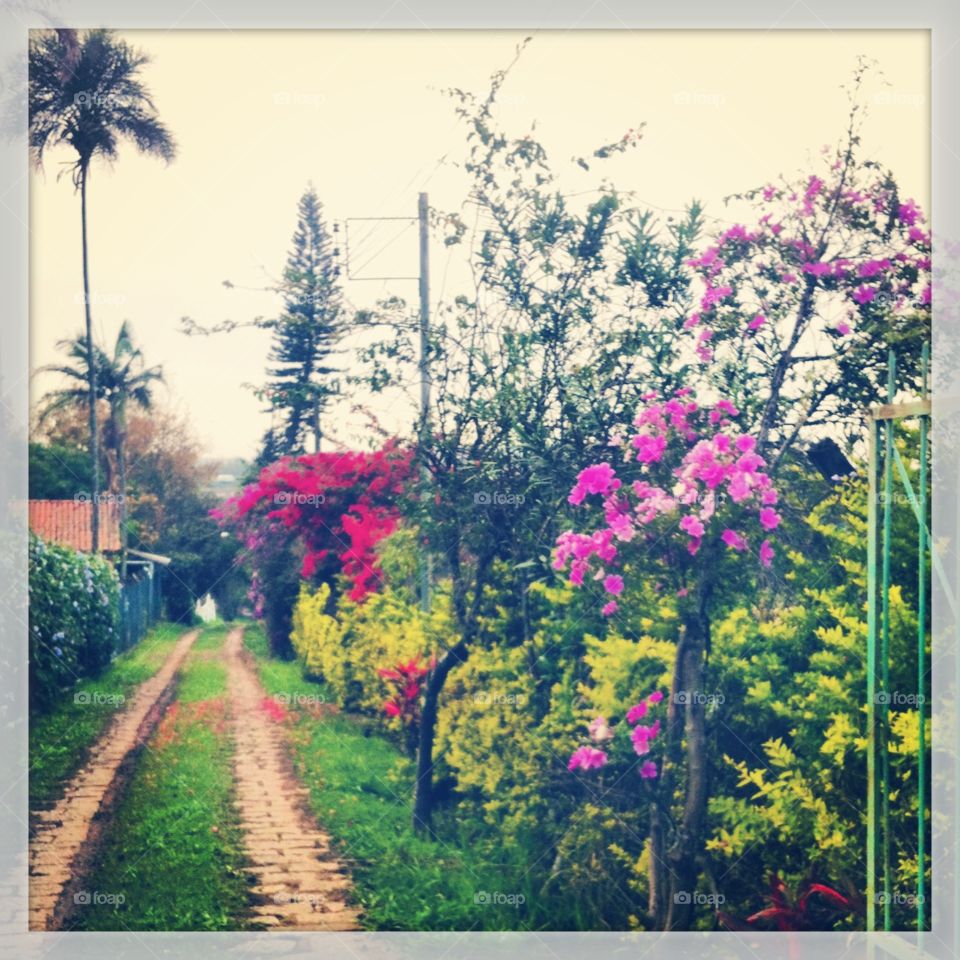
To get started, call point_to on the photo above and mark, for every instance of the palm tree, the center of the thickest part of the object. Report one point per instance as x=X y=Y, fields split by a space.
x=121 y=378
x=85 y=94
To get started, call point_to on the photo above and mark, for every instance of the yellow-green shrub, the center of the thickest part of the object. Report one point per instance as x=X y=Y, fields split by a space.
x=347 y=650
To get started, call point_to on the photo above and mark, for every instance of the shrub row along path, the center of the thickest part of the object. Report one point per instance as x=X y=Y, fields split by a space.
x=63 y=835
x=299 y=882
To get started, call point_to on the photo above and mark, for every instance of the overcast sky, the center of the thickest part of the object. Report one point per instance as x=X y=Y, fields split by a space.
x=258 y=114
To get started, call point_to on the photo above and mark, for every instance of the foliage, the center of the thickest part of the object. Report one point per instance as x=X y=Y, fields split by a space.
x=74 y=619
x=328 y=509
x=791 y=731
x=304 y=335
x=58 y=471
x=122 y=378
x=348 y=650
x=86 y=93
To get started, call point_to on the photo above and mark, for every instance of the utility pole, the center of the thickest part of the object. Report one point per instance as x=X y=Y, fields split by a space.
x=423 y=213
x=423 y=281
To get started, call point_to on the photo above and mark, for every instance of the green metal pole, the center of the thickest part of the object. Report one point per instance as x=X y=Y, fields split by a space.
x=872 y=477
x=885 y=651
x=921 y=663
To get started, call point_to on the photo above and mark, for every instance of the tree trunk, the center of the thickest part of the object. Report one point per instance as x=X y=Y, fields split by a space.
x=660 y=875
x=122 y=473
x=91 y=377
x=689 y=836
x=315 y=424
x=423 y=789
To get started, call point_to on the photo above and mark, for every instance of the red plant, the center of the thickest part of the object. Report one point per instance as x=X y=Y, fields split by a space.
x=797 y=910
x=274 y=710
x=407 y=681
x=340 y=506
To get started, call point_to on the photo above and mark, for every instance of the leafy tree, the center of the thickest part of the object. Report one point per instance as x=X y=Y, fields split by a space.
x=529 y=371
x=834 y=272
x=327 y=510
x=56 y=470
x=85 y=93
x=121 y=379
x=305 y=333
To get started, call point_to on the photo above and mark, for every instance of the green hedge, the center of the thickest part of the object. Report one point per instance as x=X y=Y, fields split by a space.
x=74 y=618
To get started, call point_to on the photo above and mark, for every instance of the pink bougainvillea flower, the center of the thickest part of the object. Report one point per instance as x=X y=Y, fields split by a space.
x=587 y=758
x=745 y=444
x=637 y=712
x=870 y=268
x=642 y=736
x=908 y=213
x=655 y=697
x=864 y=294
x=598 y=479
x=648 y=770
x=757 y=322
x=733 y=540
x=641 y=740
x=391 y=709
x=766 y=553
x=843 y=329
x=690 y=524
x=600 y=730
x=609 y=609
x=769 y=518
x=715 y=295
x=649 y=447
x=613 y=583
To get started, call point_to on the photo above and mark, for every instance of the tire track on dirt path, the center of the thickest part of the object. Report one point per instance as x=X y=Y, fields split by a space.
x=64 y=837
x=299 y=882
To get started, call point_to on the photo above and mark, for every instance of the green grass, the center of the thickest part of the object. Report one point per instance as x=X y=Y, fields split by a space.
x=60 y=740
x=360 y=790
x=174 y=850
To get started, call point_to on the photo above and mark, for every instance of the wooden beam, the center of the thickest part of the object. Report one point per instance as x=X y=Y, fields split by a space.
x=899 y=411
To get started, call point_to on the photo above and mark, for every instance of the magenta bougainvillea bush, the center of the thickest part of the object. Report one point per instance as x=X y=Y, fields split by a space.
x=696 y=476
x=339 y=506
x=840 y=250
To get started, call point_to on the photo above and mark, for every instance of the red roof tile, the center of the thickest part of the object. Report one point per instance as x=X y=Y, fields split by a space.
x=67 y=522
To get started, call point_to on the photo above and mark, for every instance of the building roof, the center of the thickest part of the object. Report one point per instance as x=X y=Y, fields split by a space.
x=67 y=522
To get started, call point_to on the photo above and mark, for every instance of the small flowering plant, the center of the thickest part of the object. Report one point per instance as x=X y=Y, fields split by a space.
x=406 y=680
x=696 y=479
x=635 y=741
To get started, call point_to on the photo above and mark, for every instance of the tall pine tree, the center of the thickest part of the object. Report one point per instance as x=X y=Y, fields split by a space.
x=301 y=380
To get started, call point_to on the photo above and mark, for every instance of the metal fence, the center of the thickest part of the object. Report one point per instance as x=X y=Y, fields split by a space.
x=140 y=602
x=886 y=465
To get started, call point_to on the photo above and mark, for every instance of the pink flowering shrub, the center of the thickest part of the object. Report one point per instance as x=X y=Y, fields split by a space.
x=694 y=477
x=855 y=243
x=633 y=743
x=795 y=312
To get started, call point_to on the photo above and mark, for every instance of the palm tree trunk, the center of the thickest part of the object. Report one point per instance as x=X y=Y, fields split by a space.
x=122 y=473
x=92 y=378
